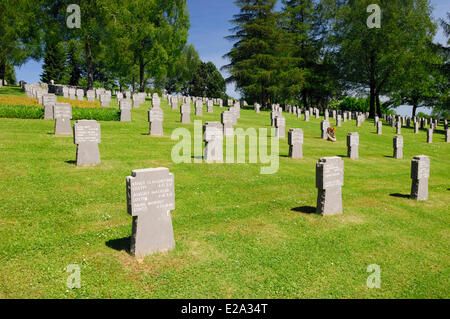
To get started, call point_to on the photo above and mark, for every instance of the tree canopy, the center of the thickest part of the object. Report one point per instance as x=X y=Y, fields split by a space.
x=309 y=53
x=314 y=52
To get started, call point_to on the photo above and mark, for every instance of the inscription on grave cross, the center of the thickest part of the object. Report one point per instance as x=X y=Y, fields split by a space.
x=150 y=198
x=155 y=117
x=295 y=140
x=87 y=137
x=49 y=101
x=62 y=113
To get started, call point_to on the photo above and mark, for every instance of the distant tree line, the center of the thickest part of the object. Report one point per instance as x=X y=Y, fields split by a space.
x=316 y=52
x=121 y=44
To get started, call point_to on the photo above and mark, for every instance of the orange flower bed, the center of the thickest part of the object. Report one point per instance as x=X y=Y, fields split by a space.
x=26 y=101
x=18 y=100
x=82 y=104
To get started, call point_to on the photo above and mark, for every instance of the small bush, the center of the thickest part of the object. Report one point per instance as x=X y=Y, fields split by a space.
x=421 y=114
x=37 y=112
x=354 y=104
x=99 y=114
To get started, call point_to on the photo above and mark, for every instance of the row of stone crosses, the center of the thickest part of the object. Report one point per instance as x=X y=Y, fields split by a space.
x=228 y=118
x=150 y=192
x=151 y=197
x=278 y=120
x=214 y=131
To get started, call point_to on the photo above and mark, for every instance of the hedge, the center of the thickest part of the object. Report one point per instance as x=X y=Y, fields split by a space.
x=21 y=112
x=33 y=112
x=99 y=114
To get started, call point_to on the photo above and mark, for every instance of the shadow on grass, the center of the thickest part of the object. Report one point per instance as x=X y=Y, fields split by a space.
x=71 y=162
x=304 y=209
x=389 y=156
x=400 y=195
x=121 y=244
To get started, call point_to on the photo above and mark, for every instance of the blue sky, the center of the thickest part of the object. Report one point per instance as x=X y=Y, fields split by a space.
x=209 y=25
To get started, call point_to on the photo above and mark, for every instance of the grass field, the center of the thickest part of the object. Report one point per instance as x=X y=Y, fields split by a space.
x=239 y=234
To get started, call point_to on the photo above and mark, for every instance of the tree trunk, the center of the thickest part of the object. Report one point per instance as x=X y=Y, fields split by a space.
x=372 y=102
x=90 y=67
x=378 y=110
x=414 y=110
x=141 y=75
x=3 y=71
x=304 y=99
x=263 y=96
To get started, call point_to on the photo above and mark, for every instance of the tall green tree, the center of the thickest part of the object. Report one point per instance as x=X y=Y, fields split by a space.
x=152 y=32
x=10 y=74
x=54 y=63
x=442 y=108
x=299 y=47
x=207 y=82
x=370 y=58
x=254 y=58
x=181 y=70
x=322 y=81
x=418 y=83
x=90 y=36
x=73 y=64
x=19 y=33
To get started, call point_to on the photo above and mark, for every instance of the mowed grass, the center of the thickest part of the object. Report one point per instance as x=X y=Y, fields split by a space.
x=239 y=234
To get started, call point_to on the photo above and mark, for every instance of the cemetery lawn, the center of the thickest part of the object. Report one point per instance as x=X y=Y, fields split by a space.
x=239 y=234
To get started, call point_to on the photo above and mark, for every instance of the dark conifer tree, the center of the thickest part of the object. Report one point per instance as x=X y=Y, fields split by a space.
x=54 y=63
x=254 y=59
x=73 y=64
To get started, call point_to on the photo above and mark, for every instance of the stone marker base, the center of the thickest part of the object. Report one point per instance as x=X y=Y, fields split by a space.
x=398 y=153
x=156 y=129
x=419 y=189
x=329 y=201
x=125 y=116
x=159 y=225
x=48 y=112
x=186 y=118
x=63 y=127
x=88 y=154
x=295 y=151
x=352 y=152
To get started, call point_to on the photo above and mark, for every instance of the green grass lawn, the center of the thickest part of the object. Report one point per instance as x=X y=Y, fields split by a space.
x=239 y=234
